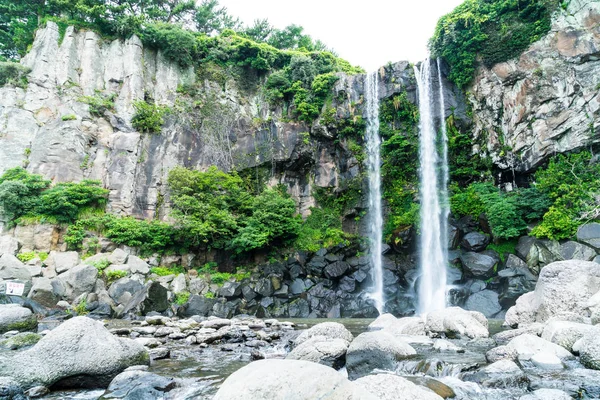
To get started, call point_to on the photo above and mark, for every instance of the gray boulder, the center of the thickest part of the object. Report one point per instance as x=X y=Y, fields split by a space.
x=290 y=380
x=329 y=352
x=565 y=333
x=526 y=346
x=139 y=385
x=577 y=251
x=375 y=350
x=152 y=297
x=537 y=253
x=478 y=265
x=43 y=292
x=336 y=269
x=78 y=280
x=62 y=261
x=327 y=330
x=456 y=322
x=547 y=394
x=12 y=268
x=197 y=305
x=79 y=353
x=13 y=317
x=475 y=241
x=9 y=245
x=486 y=302
x=122 y=290
x=118 y=256
x=393 y=387
x=589 y=234
x=563 y=289
x=137 y=265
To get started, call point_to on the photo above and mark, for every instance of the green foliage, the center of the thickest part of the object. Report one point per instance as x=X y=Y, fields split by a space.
x=571 y=183
x=26 y=256
x=493 y=31
x=69 y=117
x=165 y=271
x=101 y=265
x=99 y=103
x=42 y=256
x=81 y=308
x=209 y=295
x=13 y=74
x=176 y=43
x=148 y=118
x=182 y=298
x=465 y=167
x=503 y=248
x=114 y=275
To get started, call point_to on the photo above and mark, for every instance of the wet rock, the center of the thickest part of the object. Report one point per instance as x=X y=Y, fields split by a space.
x=329 y=352
x=475 y=241
x=152 y=298
x=20 y=340
x=478 y=265
x=545 y=360
x=215 y=323
x=299 y=308
x=486 y=302
x=13 y=317
x=381 y=322
x=230 y=289
x=375 y=350
x=589 y=234
x=264 y=287
x=328 y=330
x=197 y=305
x=10 y=389
x=78 y=353
x=78 y=280
x=336 y=269
x=577 y=251
x=504 y=337
x=445 y=345
x=347 y=284
x=546 y=394
x=393 y=387
x=287 y=379
x=525 y=346
x=37 y=391
x=500 y=374
x=406 y=326
x=537 y=253
x=140 y=385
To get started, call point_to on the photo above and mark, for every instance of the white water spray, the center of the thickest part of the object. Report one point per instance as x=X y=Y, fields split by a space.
x=374 y=166
x=434 y=257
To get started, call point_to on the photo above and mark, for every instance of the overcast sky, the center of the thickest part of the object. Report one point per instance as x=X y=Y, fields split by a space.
x=368 y=33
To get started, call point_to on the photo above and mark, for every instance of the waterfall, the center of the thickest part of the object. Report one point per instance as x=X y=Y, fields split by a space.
x=434 y=197
x=374 y=167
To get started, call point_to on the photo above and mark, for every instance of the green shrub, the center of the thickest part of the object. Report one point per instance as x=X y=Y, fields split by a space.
x=81 y=308
x=101 y=265
x=27 y=256
x=99 y=103
x=43 y=256
x=175 y=43
x=182 y=298
x=13 y=74
x=219 y=278
x=148 y=118
x=69 y=117
x=165 y=271
x=114 y=275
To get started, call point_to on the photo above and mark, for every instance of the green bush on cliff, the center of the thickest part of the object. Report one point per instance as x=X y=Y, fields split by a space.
x=492 y=31
x=14 y=74
x=148 y=118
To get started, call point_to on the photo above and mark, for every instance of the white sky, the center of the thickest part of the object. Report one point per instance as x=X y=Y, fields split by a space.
x=367 y=33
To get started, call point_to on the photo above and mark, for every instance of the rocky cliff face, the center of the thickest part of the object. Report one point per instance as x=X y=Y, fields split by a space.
x=548 y=100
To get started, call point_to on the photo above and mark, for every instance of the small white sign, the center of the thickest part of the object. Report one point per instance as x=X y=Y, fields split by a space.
x=15 y=288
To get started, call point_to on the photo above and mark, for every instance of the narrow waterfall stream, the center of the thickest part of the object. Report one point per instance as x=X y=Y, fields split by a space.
x=434 y=197
x=374 y=166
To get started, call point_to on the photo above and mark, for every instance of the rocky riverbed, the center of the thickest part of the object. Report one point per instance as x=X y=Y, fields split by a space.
x=548 y=348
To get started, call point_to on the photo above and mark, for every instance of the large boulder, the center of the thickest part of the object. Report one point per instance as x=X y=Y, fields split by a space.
x=9 y=245
x=197 y=305
x=153 y=297
x=329 y=352
x=393 y=387
x=79 y=353
x=486 y=302
x=563 y=290
x=478 y=265
x=537 y=253
x=475 y=241
x=589 y=234
x=375 y=350
x=137 y=265
x=78 y=280
x=12 y=268
x=62 y=261
x=43 y=292
x=13 y=317
x=290 y=380
x=576 y=251
x=565 y=333
x=327 y=330
x=136 y=384
x=122 y=290
x=516 y=280
x=524 y=347
x=455 y=322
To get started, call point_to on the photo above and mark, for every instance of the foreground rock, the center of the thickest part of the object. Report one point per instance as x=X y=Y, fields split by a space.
x=327 y=330
x=565 y=333
x=329 y=352
x=10 y=390
x=290 y=380
x=78 y=353
x=454 y=322
x=393 y=387
x=526 y=346
x=563 y=291
x=589 y=348
x=13 y=317
x=375 y=350
x=139 y=384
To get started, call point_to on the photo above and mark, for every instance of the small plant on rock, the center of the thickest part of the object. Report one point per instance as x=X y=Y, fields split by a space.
x=182 y=298
x=114 y=275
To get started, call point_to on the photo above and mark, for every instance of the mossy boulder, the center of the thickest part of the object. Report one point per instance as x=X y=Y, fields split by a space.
x=20 y=340
x=13 y=317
